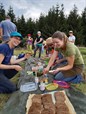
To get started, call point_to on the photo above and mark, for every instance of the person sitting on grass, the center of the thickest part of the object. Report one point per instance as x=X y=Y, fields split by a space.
x=71 y=72
x=9 y=67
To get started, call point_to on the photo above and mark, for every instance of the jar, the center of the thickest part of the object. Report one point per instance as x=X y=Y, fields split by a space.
x=42 y=86
x=46 y=81
x=46 y=78
x=40 y=68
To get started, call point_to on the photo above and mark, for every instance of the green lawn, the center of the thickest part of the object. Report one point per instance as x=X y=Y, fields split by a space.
x=81 y=86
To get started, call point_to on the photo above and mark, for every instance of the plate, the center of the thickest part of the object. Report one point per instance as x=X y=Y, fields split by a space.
x=62 y=84
x=52 y=86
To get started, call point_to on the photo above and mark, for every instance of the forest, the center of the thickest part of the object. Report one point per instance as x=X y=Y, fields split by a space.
x=54 y=20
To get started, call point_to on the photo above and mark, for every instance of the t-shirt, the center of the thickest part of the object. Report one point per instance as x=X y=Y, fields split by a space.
x=38 y=39
x=29 y=42
x=7 y=52
x=7 y=27
x=70 y=50
x=72 y=38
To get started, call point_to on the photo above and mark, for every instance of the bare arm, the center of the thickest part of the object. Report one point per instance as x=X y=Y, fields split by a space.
x=67 y=67
x=73 y=41
x=3 y=66
x=51 y=61
x=12 y=61
x=60 y=60
x=16 y=61
x=1 y=33
x=35 y=41
x=40 y=40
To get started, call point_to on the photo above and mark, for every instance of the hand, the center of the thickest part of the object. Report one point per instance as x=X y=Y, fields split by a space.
x=46 y=70
x=35 y=44
x=27 y=55
x=56 y=71
x=57 y=62
x=17 y=67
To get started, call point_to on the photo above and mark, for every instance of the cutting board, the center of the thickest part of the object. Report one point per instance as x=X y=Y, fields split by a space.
x=67 y=102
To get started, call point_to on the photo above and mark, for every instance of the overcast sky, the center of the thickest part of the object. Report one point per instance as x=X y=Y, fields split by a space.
x=33 y=8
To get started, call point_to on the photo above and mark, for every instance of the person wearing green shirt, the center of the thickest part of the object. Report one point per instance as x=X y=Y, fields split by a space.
x=71 y=72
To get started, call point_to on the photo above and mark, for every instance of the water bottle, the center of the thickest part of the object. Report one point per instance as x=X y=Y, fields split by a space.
x=36 y=80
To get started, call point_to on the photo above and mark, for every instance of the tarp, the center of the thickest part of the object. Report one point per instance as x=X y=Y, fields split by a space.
x=17 y=103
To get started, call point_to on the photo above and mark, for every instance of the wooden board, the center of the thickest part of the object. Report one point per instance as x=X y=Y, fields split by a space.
x=67 y=102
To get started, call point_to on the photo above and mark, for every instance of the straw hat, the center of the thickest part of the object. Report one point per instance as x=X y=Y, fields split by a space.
x=44 y=42
x=49 y=41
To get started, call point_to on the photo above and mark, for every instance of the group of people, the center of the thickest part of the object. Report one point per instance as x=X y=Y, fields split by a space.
x=74 y=65
x=8 y=66
x=63 y=49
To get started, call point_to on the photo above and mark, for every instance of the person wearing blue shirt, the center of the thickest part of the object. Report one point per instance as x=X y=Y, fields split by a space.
x=8 y=66
x=6 y=27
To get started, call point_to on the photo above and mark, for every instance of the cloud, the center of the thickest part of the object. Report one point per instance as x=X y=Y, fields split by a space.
x=33 y=8
x=33 y=12
x=19 y=4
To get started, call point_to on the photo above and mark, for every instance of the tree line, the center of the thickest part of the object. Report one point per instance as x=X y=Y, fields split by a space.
x=53 y=21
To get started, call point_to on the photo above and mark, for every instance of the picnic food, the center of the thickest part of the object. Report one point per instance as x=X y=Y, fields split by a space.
x=48 y=104
x=60 y=105
x=52 y=86
x=36 y=105
x=44 y=104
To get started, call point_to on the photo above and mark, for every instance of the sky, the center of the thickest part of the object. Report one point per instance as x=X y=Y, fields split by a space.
x=33 y=8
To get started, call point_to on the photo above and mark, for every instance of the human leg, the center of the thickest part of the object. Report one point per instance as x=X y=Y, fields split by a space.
x=40 y=50
x=28 y=47
x=59 y=76
x=6 y=86
x=36 y=48
x=9 y=73
x=74 y=79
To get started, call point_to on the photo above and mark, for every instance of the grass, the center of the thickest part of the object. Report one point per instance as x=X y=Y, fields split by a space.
x=82 y=86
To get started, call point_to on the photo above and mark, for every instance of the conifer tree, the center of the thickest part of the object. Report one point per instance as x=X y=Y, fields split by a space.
x=2 y=12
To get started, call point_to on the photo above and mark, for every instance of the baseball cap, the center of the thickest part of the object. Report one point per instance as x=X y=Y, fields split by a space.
x=29 y=34
x=38 y=32
x=70 y=31
x=16 y=34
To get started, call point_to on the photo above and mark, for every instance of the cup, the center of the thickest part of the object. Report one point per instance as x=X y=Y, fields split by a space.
x=42 y=86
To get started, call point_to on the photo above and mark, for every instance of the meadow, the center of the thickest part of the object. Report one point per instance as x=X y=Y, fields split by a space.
x=81 y=87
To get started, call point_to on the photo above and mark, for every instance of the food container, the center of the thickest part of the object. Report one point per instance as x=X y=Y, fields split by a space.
x=36 y=80
x=29 y=86
x=42 y=86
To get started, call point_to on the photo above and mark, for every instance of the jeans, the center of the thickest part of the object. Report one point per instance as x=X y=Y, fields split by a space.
x=73 y=79
x=6 y=86
x=40 y=50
